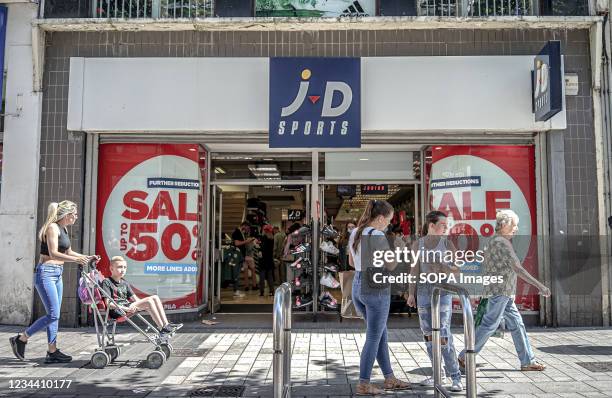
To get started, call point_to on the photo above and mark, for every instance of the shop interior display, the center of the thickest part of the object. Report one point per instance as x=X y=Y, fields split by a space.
x=300 y=272
x=329 y=287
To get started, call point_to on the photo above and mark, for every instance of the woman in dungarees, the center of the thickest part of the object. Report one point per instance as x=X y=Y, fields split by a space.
x=434 y=244
x=54 y=251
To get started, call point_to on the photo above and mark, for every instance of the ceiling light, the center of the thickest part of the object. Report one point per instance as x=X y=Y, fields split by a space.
x=364 y=159
x=263 y=167
x=219 y=170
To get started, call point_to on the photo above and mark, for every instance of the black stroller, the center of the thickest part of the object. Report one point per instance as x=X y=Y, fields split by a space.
x=92 y=295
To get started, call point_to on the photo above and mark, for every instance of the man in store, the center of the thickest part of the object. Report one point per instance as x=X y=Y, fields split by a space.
x=279 y=244
x=241 y=242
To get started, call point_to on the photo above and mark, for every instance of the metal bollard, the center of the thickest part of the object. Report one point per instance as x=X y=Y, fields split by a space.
x=468 y=328
x=281 y=365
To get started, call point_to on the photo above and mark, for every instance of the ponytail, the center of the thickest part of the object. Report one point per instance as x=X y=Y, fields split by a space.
x=55 y=212
x=373 y=210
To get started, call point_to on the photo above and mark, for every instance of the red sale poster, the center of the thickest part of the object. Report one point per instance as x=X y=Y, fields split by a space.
x=148 y=211
x=470 y=184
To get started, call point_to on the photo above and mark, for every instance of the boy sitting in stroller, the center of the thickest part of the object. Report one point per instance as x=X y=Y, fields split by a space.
x=128 y=303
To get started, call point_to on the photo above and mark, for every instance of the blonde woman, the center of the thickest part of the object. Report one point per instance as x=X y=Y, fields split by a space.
x=55 y=249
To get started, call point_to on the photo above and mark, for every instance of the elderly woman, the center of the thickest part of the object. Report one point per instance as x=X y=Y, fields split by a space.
x=500 y=259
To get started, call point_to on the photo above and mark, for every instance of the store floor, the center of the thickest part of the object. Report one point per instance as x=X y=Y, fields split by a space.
x=250 y=297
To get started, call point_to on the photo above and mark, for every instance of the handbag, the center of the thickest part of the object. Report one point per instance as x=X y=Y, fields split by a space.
x=347 y=308
x=370 y=272
x=84 y=287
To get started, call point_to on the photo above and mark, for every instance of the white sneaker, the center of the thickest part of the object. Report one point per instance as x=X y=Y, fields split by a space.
x=428 y=382
x=457 y=386
x=238 y=293
x=329 y=247
x=328 y=280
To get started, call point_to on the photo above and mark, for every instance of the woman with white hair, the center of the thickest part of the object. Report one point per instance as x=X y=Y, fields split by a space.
x=501 y=260
x=55 y=249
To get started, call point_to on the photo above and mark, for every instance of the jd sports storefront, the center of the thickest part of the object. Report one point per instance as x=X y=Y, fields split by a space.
x=451 y=133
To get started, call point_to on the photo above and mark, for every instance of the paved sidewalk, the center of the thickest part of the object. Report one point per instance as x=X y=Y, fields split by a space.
x=325 y=363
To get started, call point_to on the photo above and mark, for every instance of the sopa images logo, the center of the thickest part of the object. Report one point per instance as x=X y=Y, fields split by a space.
x=315 y=102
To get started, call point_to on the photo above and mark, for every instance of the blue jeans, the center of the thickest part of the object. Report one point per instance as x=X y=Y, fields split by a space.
x=451 y=366
x=49 y=285
x=375 y=310
x=499 y=307
x=236 y=275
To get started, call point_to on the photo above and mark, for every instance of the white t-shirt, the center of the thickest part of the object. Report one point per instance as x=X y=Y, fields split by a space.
x=357 y=253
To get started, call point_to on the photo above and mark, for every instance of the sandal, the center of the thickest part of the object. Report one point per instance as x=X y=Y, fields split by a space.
x=368 y=389
x=393 y=383
x=535 y=367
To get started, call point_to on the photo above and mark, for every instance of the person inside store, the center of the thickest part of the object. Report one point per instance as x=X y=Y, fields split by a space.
x=434 y=244
x=373 y=303
x=500 y=259
x=266 y=265
x=240 y=240
x=55 y=250
x=280 y=272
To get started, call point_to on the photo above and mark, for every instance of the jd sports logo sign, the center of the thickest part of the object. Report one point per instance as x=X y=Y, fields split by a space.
x=547 y=82
x=315 y=103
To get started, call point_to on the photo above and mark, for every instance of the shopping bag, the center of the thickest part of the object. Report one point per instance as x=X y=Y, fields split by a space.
x=480 y=311
x=347 y=309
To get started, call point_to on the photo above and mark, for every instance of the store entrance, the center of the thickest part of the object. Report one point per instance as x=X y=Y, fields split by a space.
x=260 y=215
x=343 y=206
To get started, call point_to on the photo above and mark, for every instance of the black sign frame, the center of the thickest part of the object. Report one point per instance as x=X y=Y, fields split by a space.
x=547 y=65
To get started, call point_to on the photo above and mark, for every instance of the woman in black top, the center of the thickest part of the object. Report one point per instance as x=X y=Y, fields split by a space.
x=54 y=251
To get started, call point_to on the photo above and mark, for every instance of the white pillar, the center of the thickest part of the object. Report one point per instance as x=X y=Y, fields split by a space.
x=19 y=198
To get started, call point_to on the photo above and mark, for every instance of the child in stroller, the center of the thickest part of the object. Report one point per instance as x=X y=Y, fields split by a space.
x=116 y=295
x=126 y=302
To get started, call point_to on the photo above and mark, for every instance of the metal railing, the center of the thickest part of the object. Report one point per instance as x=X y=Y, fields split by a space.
x=468 y=328
x=134 y=9
x=281 y=365
x=477 y=8
x=190 y=9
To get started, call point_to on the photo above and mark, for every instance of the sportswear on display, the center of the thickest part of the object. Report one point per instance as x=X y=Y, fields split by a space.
x=331 y=267
x=304 y=230
x=327 y=300
x=328 y=280
x=297 y=263
x=297 y=282
x=328 y=247
x=303 y=248
x=303 y=301
x=329 y=231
